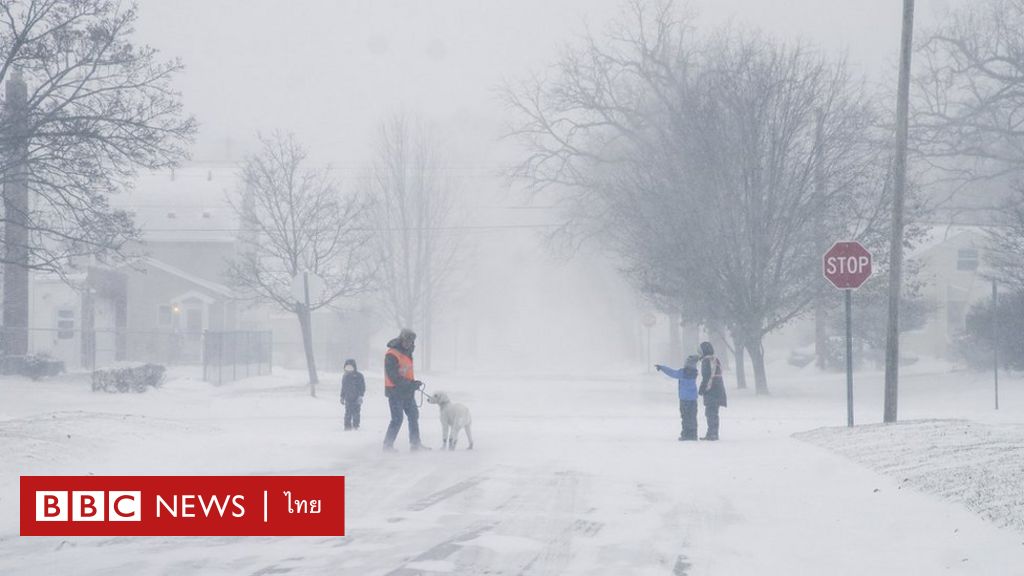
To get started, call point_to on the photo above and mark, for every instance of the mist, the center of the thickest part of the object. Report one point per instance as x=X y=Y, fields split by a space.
x=455 y=287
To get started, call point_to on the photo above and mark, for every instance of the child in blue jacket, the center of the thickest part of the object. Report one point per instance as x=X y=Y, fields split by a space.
x=687 y=378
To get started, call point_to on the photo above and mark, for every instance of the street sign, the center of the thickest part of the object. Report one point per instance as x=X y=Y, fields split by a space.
x=847 y=265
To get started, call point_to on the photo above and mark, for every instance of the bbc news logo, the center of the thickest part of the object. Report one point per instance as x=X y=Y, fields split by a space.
x=182 y=505
x=88 y=506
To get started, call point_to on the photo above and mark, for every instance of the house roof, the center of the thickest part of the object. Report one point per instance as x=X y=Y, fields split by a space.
x=938 y=235
x=212 y=287
x=188 y=204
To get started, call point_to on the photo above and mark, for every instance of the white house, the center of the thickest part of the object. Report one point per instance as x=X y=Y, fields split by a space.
x=951 y=262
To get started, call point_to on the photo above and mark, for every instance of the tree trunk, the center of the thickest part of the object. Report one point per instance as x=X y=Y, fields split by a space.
x=718 y=339
x=675 y=344
x=306 y=324
x=16 y=236
x=427 y=352
x=820 y=333
x=691 y=338
x=741 y=369
x=755 y=347
x=892 y=335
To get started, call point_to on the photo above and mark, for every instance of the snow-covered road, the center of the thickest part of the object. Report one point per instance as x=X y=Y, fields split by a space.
x=570 y=476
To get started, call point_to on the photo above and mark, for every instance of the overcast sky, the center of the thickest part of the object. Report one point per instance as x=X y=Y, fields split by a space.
x=329 y=70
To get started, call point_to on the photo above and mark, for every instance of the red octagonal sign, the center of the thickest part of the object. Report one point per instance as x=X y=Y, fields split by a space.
x=847 y=265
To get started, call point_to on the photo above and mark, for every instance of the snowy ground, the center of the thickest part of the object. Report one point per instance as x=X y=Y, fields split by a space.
x=570 y=476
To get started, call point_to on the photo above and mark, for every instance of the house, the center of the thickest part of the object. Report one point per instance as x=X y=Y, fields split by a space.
x=155 y=307
x=159 y=305
x=176 y=291
x=951 y=268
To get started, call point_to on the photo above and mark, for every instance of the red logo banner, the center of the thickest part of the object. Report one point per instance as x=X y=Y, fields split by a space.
x=182 y=505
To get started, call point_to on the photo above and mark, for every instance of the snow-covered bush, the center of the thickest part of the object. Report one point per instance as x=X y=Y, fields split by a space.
x=976 y=343
x=34 y=366
x=128 y=378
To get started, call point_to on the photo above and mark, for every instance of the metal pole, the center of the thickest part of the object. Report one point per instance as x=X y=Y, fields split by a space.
x=849 y=357
x=995 y=340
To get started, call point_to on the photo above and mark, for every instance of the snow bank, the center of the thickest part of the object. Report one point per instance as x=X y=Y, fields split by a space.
x=980 y=466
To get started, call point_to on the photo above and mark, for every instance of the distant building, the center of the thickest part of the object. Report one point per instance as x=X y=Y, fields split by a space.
x=158 y=307
x=951 y=262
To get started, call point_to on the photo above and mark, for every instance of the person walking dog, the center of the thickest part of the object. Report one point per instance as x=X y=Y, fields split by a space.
x=400 y=385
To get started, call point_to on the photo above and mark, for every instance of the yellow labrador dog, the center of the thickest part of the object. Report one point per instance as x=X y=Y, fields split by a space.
x=454 y=417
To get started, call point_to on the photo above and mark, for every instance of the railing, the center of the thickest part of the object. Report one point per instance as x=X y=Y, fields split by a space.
x=229 y=356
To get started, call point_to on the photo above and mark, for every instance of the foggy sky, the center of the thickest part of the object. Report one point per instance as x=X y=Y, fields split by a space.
x=330 y=70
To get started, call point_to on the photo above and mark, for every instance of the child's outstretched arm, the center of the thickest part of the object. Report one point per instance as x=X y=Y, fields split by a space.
x=669 y=371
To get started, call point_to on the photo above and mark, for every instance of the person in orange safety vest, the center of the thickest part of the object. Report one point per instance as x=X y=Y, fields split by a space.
x=400 y=385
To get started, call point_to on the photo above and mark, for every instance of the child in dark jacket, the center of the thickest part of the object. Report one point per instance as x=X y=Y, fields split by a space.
x=687 y=378
x=353 y=386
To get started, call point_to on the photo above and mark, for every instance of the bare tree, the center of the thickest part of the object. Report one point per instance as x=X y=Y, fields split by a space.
x=969 y=91
x=295 y=221
x=84 y=108
x=694 y=159
x=417 y=237
x=1006 y=252
x=968 y=106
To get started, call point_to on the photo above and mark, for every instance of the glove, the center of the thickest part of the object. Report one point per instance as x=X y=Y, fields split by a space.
x=658 y=367
x=417 y=384
x=702 y=390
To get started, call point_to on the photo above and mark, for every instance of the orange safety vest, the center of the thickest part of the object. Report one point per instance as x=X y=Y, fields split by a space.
x=404 y=367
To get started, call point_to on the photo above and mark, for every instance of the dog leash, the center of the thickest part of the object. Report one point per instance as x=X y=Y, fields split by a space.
x=423 y=393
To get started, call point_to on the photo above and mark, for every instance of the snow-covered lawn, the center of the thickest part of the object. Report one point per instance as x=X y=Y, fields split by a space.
x=570 y=476
x=977 y=465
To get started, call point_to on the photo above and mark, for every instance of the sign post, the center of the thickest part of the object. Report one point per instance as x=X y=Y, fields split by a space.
x=847 y=265
x=995 y=339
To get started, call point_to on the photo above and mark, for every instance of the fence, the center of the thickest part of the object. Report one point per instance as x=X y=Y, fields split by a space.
x=229 y=356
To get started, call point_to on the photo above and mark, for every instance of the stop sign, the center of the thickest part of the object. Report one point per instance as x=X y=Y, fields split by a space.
x=847 y=265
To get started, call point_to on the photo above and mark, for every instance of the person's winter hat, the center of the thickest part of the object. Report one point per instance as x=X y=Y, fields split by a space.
x=352 y=363
x=691 y=361
x=407 y=334
x=706 y=349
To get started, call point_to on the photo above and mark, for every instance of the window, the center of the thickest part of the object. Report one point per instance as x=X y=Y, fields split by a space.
x=967 y=259
x=65 y=324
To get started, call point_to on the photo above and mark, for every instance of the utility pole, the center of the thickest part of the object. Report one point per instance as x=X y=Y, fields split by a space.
x=892 y=338
x=16 y=239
